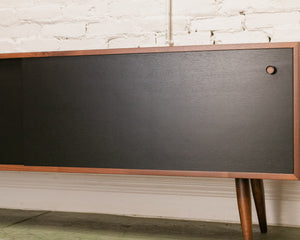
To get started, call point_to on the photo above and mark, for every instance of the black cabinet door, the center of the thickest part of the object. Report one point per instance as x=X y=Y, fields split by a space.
x=205 y=111
x=11 y=134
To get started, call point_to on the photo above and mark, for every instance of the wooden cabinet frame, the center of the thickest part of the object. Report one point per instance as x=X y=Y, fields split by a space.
x=251 y=175
x=242 y=178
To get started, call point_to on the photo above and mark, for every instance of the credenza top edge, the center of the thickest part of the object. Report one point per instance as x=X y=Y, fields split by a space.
x=151 y=50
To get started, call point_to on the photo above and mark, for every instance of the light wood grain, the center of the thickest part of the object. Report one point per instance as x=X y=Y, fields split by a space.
x=149 y=172
x=296 y=110
x=150 y=50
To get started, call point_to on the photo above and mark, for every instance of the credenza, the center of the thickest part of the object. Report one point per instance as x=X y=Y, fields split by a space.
x=203 y=111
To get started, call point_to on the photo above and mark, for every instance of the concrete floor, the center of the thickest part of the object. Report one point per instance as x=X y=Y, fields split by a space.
x=34 y=225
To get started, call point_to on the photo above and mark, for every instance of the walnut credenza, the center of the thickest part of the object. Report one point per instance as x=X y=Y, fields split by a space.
x=206 y=111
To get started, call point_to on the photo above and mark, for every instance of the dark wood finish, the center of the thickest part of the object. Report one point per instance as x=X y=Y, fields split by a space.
x=294 y=176
x=244 y=204
x=259 y=199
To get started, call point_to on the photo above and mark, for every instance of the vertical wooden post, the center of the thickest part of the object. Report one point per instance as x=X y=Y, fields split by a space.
x=244 y=204
x=259 y=199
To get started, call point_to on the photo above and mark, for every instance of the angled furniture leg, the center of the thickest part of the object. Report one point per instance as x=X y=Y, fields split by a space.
x=259 y=199
x=244 y=204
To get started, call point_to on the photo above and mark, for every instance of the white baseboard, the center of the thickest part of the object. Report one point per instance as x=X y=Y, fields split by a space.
x=206 y=199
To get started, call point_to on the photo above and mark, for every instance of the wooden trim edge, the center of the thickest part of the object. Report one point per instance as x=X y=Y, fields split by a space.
x=296 y=54
x=278 y=176
x=151 y=50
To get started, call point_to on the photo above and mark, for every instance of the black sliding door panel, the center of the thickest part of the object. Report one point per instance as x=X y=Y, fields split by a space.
x=205 y=111
x=11 y=134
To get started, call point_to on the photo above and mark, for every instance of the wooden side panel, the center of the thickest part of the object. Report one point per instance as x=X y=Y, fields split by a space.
x=297 y=110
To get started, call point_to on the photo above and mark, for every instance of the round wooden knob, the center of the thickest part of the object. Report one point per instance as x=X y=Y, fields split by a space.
x=271 y=70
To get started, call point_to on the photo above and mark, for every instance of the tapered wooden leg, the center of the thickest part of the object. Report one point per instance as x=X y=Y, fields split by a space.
x=244 y=204
x=259 y=199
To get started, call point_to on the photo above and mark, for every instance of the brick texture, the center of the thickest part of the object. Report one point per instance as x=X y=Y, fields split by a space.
x=35 y=25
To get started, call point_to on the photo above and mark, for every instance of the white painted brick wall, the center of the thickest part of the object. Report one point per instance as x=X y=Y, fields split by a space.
x=8 y=17
x=230 y=24
x=272 y=20
x=18 y=31
x=240 y=37
x=47 y=25
x=39 y=14
x=194 y=8
x=64 y=30
x=229 y=7
x=16 y=3
x=34 y=25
